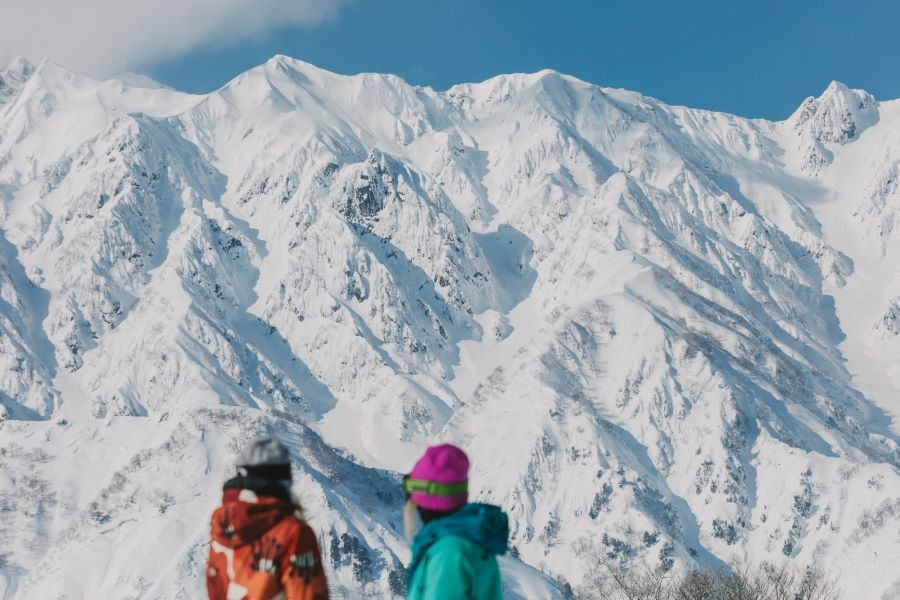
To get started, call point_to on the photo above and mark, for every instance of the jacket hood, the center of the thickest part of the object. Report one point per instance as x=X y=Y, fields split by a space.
x=247 y=513
x=482 y=524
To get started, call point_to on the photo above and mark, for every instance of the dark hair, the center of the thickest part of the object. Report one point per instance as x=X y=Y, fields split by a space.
x=264 y=487
x=273 y=472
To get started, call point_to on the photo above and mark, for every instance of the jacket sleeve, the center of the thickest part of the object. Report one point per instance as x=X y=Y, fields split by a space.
x=216 y=575
x=303 y=575
x=448 y=571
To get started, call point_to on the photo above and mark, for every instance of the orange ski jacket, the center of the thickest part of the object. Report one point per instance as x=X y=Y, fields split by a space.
x=261 y=549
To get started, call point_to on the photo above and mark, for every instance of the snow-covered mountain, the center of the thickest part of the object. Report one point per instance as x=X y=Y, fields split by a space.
x=666 y=336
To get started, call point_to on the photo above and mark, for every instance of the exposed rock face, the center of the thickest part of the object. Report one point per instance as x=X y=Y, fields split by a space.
x=13 y=78
x=835 y=118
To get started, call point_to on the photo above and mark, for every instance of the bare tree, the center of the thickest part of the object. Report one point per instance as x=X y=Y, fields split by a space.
x=766 y=581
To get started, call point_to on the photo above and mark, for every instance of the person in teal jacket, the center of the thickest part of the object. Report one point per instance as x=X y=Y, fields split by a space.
x=456 y=544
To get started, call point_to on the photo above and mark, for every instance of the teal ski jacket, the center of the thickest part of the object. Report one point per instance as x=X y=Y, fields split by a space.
x=455 y=557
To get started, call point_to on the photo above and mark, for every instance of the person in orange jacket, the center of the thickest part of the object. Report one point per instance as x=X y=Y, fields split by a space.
x=261 y=547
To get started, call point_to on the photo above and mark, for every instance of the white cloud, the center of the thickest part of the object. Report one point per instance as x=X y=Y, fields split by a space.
x=101 y=37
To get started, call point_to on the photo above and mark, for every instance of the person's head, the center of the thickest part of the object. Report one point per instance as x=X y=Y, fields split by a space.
x=265 y=458
x=438 y=484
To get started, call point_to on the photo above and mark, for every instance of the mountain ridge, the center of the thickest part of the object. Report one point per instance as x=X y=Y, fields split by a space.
x=633 y=316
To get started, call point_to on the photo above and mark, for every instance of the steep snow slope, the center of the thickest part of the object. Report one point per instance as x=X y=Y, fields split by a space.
x=663 y=334
x=861 y=212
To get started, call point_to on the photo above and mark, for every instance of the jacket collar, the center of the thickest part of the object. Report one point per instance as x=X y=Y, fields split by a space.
x=483 y=524
x=259 y=486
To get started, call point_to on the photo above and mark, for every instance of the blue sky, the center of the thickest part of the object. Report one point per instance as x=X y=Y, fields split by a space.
x=757 y=58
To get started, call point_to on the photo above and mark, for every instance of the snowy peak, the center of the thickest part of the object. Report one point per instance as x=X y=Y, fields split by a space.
x=290 y=75
x=302 y=100
x=13 y=77
x=298 y=69
x=838 y=116
x=53 y=98
x=18 y=64
x=505 y=92
x=835 y=118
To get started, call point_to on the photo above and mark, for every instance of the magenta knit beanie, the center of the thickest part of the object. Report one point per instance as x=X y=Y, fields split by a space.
x=440 y=479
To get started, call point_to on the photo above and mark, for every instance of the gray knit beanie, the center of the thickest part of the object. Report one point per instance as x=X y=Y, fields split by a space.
x=266 y=458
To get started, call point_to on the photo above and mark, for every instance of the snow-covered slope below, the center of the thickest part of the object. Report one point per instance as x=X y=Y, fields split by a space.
x=666 y=336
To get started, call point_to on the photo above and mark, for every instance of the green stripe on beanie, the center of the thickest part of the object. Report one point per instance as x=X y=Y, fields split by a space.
x=434 y=488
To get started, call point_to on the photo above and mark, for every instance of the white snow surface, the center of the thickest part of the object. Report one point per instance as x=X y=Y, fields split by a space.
x=665 y=336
